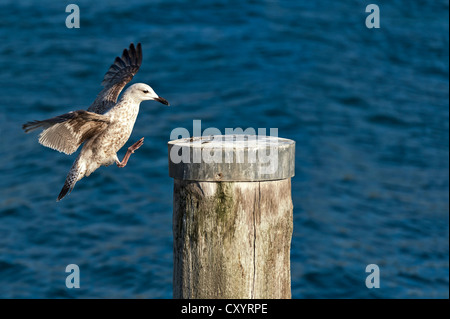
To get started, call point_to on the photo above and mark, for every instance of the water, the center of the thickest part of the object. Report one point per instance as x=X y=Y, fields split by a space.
x=369 y=110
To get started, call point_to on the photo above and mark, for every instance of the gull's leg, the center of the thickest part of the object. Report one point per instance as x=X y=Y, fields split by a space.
x=130 y=151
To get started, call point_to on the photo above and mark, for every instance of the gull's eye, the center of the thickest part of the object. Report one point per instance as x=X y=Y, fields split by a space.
x=145 y=91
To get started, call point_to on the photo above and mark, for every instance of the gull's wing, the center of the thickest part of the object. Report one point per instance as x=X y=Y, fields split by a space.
x=65 y=133
x=123 y=69
x=119 y=74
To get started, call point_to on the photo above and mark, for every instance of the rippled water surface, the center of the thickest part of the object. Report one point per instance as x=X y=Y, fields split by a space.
x=368 y=109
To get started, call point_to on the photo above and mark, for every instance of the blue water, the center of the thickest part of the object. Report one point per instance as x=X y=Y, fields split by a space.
x=368 y=109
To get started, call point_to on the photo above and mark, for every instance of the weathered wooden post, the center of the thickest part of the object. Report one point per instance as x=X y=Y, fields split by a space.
x=232 y=216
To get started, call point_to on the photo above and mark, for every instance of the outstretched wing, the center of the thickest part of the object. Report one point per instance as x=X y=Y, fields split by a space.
x=119 y=74
x=65 y=133
x=123 y=69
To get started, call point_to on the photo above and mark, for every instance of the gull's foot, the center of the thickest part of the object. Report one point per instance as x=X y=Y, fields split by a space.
x=130 y=151
x=136 y=145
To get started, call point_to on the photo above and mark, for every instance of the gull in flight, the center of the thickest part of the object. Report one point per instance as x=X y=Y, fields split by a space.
x=106 y=125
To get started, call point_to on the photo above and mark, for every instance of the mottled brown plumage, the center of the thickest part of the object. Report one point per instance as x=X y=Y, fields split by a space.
x=65 y=133
x=105 y=127
x=119 y=74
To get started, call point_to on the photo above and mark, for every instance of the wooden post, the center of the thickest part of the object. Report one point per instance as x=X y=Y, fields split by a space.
x=232 y=216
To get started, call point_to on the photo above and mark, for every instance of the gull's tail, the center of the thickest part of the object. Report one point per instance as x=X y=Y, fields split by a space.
x=74 y=175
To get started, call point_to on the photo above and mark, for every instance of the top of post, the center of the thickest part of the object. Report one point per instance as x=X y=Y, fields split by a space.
x=232 y=158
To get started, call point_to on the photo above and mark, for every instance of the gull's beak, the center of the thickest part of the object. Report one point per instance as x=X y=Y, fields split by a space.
x=162 y=100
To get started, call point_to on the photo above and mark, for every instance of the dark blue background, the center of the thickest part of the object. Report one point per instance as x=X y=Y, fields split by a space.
x=368 y=109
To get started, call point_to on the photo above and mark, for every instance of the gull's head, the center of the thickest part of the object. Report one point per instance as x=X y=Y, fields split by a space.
x=143 y=92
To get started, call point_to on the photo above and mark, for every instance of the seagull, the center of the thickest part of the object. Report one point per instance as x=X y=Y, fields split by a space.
x=104 y=127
